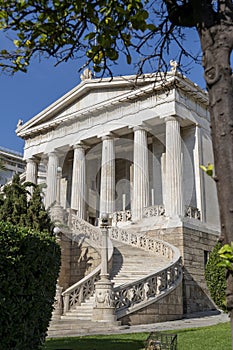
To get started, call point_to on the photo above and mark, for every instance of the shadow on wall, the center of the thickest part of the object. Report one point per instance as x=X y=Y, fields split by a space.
x=195 y=298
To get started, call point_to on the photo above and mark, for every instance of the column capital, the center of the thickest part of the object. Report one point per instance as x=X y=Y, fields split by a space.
x=172 y=118
x=53 y=153
x=79 y=145
x=108 y=136
x=141 y=127
x=32 y=159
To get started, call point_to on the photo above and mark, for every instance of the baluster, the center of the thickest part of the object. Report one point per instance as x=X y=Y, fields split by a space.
x=66 y=303
x=159 y=282
x=169 y=281
x=80 y=297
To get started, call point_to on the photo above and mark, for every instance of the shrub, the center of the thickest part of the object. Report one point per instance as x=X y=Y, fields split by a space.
x=216 y=278
x=29 y=268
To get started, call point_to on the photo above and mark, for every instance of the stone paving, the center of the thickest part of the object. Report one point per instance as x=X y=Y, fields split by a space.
x=192 y=321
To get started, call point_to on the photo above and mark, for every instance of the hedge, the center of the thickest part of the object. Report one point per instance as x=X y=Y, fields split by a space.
x=216 y=278
x=29 y=269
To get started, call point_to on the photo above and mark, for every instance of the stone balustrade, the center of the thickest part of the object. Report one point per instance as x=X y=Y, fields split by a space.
x=142 y=241
x=131 y=296
x=154 y=210
x=192 y=212
x=81 y=290
x=135 y=295
x=84 y=288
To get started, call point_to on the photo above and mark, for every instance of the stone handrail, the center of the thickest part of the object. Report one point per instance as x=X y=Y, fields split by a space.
x=82 y=228
x=143 y=241
x=121 y=216
x=154 y=210
x=81 y=290
x=192 y=212
x=132 y=296
x=135 y=295
x=84 y=288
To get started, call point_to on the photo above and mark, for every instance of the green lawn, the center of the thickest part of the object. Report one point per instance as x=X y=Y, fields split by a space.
x=207 y=338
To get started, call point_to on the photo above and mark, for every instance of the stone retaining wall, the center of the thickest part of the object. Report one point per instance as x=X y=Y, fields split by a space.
x=167 y=309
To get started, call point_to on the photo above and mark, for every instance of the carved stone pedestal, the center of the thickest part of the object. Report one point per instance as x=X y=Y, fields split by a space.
x=104 y=310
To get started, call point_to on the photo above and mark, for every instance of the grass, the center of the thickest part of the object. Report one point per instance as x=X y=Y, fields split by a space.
x=216 y=337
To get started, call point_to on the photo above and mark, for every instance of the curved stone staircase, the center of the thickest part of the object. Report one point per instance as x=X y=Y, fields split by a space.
x=143 y=270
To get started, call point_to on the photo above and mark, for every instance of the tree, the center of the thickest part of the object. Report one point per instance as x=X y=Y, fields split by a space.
x=30 y=262
x=37 y=217
x=16 y=209
x=103 y=28
x=14 y=206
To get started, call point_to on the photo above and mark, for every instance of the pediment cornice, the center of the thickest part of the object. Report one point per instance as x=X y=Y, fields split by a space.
x=146 y=85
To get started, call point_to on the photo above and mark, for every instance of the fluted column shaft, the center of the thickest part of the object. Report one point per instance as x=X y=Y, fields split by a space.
x=141 y=174
x=78 y=193
x=174 y=173
x=107 y=185
x=31 y=170
x=31 y=174
x=51 y=179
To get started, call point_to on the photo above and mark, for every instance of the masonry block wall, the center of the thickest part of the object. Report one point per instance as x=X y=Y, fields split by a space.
x=78 y=260
x=167 y=309
x=197 y=245
x=194 y=246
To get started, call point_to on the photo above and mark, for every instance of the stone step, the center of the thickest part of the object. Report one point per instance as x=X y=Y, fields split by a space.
x=62 y=328
x=129 y=264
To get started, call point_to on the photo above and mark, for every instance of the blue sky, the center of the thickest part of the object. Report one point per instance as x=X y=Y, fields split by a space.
x=24 y=95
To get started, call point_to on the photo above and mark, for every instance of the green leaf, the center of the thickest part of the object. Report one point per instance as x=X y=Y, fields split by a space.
x=208 y=169
x=225 y=249
x=17 y=43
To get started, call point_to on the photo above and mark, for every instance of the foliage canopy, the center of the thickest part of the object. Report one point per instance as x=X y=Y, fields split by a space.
x=98 y=30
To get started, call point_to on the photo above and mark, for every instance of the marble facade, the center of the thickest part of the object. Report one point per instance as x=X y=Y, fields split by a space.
x=132 y=148
x=126 y=145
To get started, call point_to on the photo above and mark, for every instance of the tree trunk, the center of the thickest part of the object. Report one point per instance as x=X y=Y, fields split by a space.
x=217 y=44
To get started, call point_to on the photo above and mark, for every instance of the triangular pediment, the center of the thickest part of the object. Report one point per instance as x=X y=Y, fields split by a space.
x=93 y=95
x=89 y=94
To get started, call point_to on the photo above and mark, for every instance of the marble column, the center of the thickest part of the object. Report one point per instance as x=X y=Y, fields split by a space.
x=140 y=174
x=31 y=170
x=157 y=190
x=78 y=191
x=107 y=184
x=51 y=189
x=31 y=174
x=174 y=173
x=199 y=173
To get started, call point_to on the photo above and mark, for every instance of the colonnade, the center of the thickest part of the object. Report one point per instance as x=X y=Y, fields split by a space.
x=173 y=200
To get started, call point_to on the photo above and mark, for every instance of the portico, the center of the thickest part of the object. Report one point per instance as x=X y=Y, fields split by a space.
x=126 y=150
x=130 y=148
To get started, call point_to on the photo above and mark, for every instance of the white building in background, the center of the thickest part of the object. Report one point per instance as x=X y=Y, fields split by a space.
x=132 y=147
x=13 y=163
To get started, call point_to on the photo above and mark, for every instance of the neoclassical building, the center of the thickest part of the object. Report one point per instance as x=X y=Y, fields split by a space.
x=13 y=163
x=132 y=148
